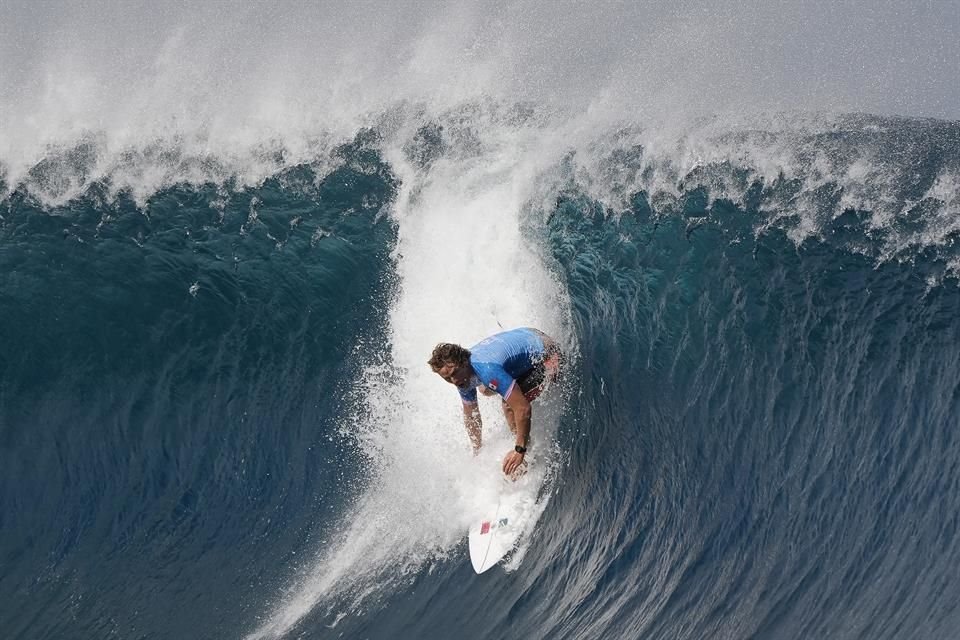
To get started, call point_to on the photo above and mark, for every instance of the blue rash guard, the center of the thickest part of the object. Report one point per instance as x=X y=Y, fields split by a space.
x=499 y=360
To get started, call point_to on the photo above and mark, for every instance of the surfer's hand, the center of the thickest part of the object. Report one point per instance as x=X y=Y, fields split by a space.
x=511 y=462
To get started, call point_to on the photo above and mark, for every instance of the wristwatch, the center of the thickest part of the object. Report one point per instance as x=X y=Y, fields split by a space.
x=519 y=449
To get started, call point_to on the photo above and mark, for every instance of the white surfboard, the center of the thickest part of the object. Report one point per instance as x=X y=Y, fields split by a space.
x=499 y=528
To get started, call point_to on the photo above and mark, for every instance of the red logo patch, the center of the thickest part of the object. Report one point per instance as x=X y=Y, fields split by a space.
x=494 y=383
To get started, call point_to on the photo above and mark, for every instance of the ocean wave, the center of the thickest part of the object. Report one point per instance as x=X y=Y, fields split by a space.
x=214 y=392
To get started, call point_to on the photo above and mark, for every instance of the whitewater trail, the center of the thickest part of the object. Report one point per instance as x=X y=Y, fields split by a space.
x=464 y=270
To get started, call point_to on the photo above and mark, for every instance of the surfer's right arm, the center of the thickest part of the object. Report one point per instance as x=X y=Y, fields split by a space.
x=471 y=420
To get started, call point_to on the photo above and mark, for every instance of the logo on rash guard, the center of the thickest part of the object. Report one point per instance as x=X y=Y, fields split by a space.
x=494 y=383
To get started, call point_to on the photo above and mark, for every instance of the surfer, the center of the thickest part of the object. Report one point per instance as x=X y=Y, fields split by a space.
x=515 y=364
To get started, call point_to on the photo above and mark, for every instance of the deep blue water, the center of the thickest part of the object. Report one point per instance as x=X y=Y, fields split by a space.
x=762 y=444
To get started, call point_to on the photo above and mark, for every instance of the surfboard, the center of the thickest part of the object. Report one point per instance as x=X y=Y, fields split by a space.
x=496 y=533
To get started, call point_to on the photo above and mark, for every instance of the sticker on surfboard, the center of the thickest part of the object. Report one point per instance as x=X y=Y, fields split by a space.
x=486 y=526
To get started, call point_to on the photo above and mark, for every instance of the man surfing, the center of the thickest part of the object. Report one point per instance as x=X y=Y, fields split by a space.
x=515 y=364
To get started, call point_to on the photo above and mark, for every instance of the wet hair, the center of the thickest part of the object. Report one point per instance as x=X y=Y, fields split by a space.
x=446 y=352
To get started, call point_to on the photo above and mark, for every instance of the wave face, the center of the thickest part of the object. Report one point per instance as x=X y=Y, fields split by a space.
x=217 y=422
x=171 y=379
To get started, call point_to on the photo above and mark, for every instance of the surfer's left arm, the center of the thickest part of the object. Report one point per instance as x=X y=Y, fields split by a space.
x=520 y=407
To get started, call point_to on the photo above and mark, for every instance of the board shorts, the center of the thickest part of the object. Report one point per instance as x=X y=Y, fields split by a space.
x=542 y=374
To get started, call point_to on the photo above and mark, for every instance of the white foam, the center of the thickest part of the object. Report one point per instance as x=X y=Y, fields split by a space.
x=220 y=79
x=465 y=271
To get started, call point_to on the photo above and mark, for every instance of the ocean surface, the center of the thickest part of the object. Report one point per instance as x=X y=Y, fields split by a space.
x=217 y=421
